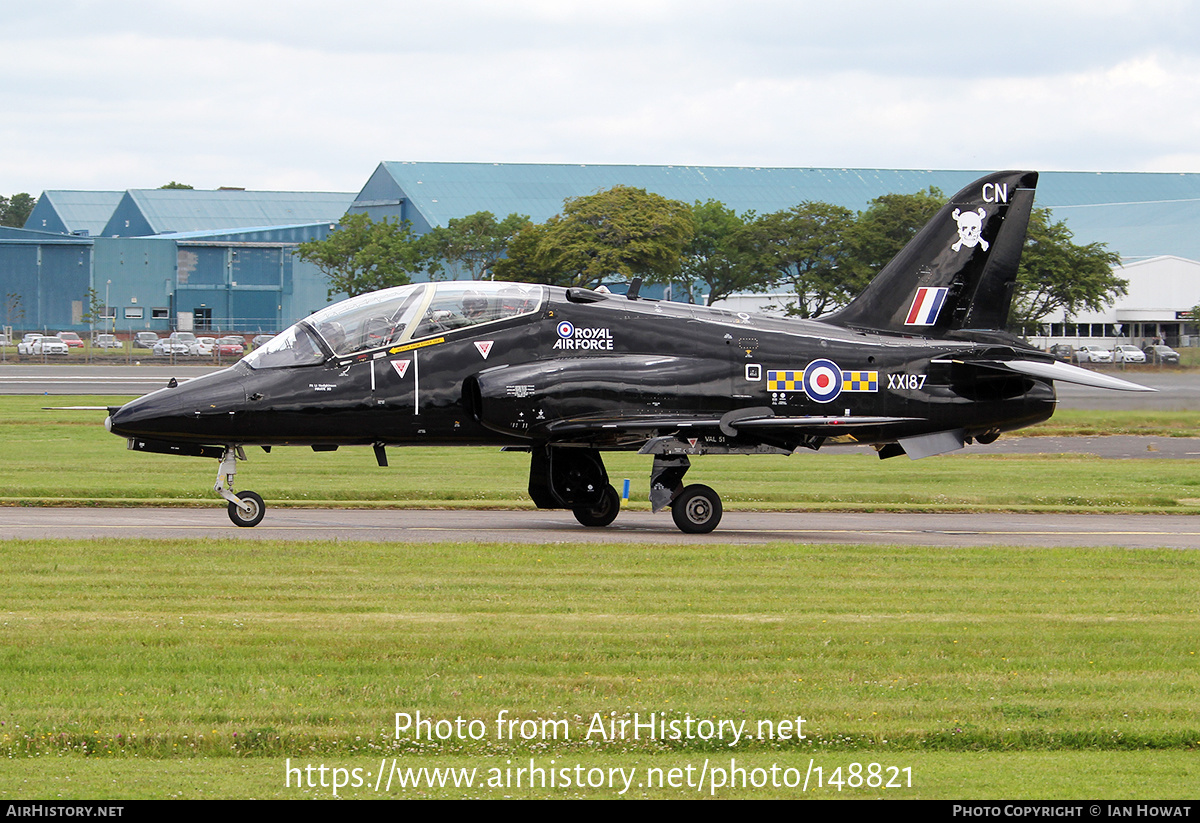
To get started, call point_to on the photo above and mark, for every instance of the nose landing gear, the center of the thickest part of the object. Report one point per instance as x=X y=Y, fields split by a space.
x=245 y=508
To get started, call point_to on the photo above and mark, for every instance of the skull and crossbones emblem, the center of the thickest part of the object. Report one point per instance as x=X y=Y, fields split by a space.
x=970 y=227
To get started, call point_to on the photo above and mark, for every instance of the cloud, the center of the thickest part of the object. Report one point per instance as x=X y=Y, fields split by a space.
x=271 y=95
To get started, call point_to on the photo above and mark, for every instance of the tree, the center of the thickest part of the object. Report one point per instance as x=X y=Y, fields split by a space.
x=889 y=222
x=94 y=309
x=806 y=248
x=476 y=242
x=720 y=253
x=363 y=255
x=619 y=233
x=15 y=210
x=174 y=185
x=522 y=263
x=1056 y=275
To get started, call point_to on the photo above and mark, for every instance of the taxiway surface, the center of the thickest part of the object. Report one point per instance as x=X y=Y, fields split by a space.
x=423 y=526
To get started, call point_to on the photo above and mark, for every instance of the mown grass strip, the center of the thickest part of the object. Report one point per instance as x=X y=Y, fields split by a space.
x=133 y=647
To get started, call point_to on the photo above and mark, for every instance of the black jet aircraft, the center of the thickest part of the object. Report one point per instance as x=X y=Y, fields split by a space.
x=917 y=364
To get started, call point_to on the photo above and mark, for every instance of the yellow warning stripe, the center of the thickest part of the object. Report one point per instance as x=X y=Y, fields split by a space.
x=421 y=345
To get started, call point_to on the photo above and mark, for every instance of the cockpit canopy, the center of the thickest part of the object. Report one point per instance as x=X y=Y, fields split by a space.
x=394 y=317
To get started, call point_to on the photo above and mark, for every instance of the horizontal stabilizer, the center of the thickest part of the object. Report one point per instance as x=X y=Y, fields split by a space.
x=1056 y=370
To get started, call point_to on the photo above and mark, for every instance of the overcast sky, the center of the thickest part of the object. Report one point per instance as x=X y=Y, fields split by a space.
x=307 y=95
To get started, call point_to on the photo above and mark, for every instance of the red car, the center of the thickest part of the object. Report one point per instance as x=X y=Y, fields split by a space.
x=72 y=340
x=230 y=346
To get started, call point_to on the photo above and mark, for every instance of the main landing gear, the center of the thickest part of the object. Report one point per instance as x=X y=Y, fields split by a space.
x=562 y=477
x=245 y=508
x=696 y=509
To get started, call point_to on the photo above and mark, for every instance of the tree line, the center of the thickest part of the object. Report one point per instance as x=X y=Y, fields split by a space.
x=15 y=210
x=817 y=254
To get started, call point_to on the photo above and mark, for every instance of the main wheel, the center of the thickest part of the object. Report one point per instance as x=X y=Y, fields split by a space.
x=604 y=512
x=697 y=509
x=241 y=517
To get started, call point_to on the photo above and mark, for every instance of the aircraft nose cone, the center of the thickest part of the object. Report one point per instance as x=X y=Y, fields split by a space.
x=144 y=416
x=198 y=410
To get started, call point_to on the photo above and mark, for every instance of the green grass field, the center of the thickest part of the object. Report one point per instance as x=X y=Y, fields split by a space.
x=221 y=660
x=140 y=668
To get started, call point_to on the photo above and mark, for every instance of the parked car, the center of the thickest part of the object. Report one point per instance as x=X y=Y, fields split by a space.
x=145 y=340
x=72 y=340
x=1128 y=354
x=186 y=338
x=26 y=344
x=205 y=345
x=231 y=346
x=261 y=340
x=1161 y=354
x=106 y=341
x=48 y=345
x=167 y=347
x=1063 y=351
x=1093 y=354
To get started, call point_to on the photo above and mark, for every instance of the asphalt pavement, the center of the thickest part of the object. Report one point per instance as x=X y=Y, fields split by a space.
x=534 y=527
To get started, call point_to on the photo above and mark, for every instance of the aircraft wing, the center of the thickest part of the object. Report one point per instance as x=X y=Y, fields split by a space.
x=756 y=420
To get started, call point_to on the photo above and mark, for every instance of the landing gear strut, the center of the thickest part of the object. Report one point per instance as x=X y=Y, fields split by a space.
x=245 y=508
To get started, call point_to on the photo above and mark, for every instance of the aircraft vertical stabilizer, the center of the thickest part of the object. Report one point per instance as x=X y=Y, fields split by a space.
x=960 y=270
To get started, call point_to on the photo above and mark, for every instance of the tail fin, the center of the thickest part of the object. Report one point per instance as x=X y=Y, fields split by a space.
x=959 y=272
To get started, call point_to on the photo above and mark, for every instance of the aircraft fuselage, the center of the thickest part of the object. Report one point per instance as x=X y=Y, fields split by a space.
x=560 y=373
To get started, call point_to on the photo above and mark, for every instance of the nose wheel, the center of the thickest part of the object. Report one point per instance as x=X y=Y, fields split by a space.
x=250 y=510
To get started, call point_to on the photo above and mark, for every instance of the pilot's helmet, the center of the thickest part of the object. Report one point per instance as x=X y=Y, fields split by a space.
x=474 y=305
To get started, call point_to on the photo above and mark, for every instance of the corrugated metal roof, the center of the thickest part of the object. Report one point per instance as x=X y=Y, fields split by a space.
x=258 y=234
x=1137 y=214
x=69 y=212
x=11 y=235
x=142 y=212
x=446 y=190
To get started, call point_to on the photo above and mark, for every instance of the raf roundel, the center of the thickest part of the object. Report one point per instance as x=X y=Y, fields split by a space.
x=565 y=330
x=822 y=380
